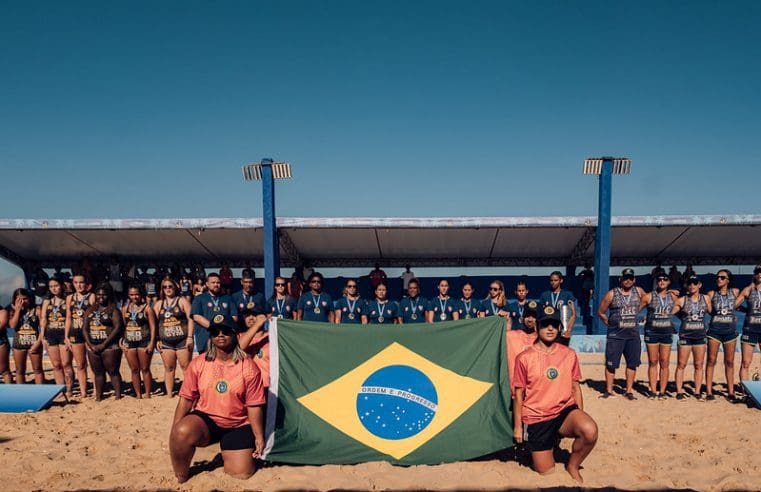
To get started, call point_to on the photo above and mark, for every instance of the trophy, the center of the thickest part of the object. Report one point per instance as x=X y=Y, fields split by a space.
x=565 y=318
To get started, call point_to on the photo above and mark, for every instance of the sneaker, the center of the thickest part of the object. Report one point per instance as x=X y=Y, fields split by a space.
x=701 y=397
x=630 y=396
x=607 y=395
x=663 y=396
x=681 y=396
x=652 y=396
x=734 y=399
x=711 y=397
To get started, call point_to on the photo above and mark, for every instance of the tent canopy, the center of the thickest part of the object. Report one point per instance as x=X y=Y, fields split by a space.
x=469 y=241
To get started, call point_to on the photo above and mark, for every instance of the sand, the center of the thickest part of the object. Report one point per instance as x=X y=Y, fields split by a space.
x=643 y=444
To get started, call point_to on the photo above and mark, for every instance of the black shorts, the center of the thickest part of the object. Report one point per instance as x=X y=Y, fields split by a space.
x=4 y=340
x=134 y=345
x=659 y=338
x=542 y=436
x=76 y=335
x=749 y=338
x=722 y=338
x=229 y=439
x=174 y=344
x=630 y=348
x=55 y=337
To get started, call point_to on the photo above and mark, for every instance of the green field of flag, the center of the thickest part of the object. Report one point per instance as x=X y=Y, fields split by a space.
x=407 y=394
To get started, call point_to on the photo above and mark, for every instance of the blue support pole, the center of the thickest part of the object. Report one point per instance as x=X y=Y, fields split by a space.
x=602 y=243
x=271 y=240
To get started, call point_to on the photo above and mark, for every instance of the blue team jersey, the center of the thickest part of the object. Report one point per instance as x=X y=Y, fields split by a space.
x=516 y=313
x=490 y=309
x=468 y=309
x=282 y=308
x=350 y=311
x=381 y=313
x=209 y=306
x=316 y=307
x=413 y=310
x=252 y=302
x=549 y=298
x=443 y=309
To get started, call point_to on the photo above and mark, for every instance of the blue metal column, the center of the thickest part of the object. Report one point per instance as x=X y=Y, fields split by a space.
x=271 y=240
x=602 y=243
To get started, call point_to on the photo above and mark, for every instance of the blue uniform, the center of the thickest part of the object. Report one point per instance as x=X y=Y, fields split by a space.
x=283 y=308
x=693 y=315
x=723 y=327
x=752 y=325
x=659 y=328
x=381 y=313
x=516 y=313
x=556 y=300
x=413 y=310
x=208 y=306
x=316 y=307
x=350 y=311
x=468 y=309
x=490 y=309
x=443 y=309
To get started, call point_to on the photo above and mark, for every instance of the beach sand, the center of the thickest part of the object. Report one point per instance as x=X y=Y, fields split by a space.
x=643 y=444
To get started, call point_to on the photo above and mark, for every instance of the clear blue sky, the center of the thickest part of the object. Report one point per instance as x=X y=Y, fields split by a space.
x=148 y=109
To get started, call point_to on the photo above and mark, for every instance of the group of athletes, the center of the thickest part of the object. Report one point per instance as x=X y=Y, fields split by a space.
x=224 y=388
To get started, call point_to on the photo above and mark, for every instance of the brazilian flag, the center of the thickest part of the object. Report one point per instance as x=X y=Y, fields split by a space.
x=407 y=394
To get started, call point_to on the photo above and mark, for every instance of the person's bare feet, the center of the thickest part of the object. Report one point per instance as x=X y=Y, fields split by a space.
x=182 y=478
x=574 y=472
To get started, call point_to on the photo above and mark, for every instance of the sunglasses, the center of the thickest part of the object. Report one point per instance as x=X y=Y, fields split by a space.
x=168 y=286
x=226 y=332
x=351 y=286
x=722 y=277
x=279 y=285
x=494 y=289
x=663 y=279
x=693 y=282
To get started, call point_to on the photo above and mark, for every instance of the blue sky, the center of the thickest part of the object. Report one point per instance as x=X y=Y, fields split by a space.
x=396 y=108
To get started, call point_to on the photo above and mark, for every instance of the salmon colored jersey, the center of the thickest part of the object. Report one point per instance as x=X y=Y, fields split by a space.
x=548 y=381
x=259 y=350
x=517 y=342
x=223 y=390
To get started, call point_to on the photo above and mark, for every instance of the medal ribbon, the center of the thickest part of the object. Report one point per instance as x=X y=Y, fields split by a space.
x=444 y=305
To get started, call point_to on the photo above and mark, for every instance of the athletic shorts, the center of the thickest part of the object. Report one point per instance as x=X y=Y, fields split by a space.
x=655 y=338
x=134 y=345
x=229 y=439
x=630 y=348
x=722 y=338
x=76 y=336
x=542 y=436
x=750 y=338
x=174 y=344
x=4 y=340
x=55 y=337
x=688 y=342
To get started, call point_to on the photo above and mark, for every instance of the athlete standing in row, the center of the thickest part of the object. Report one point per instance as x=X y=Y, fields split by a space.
x=516 y=308
x=751 y=334
x=557 y=298
x=5 y=348
x=315 y=305
x=694 y=309
x=175 y=331
x=442 y=307
x=618 y=311
x=282 y=305
x=468 y=307
x=380 y=311
x=247 y=298
x=722 y=332
x=350 y=307
x=76 y=306
x=412 y=309
x=102 y=329
x=139 y=340
x=208 y=305
x=496 y=303
x=659 y=335
x=53 y=327
x=25 y=321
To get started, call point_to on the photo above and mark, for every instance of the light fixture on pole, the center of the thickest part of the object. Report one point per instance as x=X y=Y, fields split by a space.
x=267 y=171
x=605 y=168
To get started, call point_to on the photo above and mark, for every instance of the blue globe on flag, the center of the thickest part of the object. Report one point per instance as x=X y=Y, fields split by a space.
x=396 y=402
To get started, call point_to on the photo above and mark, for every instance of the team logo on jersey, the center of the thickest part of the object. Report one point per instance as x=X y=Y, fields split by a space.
x=532 y=304
x=549 y=310
x=552 y=373
x=218 y=319
x=221 y=386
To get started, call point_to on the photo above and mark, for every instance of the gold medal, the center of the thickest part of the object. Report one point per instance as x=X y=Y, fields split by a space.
x=250 y=305
x=443 y=317
x=381 y=319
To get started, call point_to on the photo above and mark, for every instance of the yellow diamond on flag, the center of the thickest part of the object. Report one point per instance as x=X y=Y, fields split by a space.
x=396 y=401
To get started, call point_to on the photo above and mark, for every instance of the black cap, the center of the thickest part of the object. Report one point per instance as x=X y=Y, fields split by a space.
x=627 y=272
x=693 y=279
x=530 y=309
x=548 y=315
x=757 y=270
x=222 y=322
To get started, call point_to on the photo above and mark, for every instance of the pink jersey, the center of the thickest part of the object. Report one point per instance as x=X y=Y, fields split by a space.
x=223 y=390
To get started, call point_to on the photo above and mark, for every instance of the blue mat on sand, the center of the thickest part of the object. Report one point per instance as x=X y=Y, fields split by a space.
x=753 y=389
x=19 y=398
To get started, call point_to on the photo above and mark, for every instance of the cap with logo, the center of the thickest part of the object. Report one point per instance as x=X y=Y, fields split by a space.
x=530 y=309
x=221 y=322
x=627 y=272
x=548 y=315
